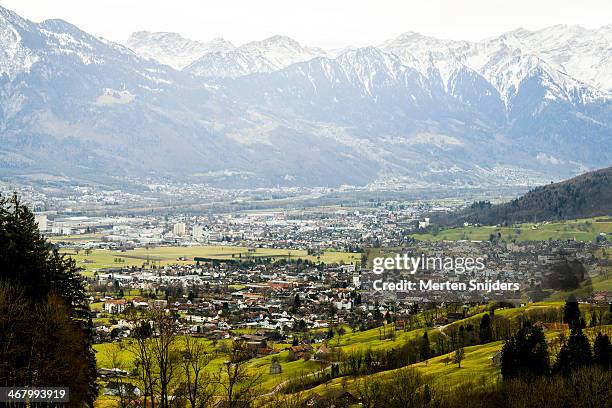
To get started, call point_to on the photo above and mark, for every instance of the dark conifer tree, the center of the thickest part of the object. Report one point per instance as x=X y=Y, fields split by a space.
x=49 y=285
x=571 y=312
x=424 y=347
x=525 y=354
x=485 y=333
x=297 y=302
x=602 y=352
x=575 y=353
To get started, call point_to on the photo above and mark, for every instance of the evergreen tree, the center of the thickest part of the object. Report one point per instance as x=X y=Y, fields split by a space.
x=486 y=332
x=376 y=315
x=525 y=354
x=58 y=326
x=602 y=351
x=575 y=353
x=424 y=347
x=571 y=312
x=143 y=330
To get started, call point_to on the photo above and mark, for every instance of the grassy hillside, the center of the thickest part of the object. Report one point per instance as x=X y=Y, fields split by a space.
x=585 y=230
x=476 y=367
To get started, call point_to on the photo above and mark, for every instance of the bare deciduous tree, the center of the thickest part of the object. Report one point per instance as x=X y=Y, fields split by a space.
x=113 y=356
x=164 y=354
x=239 y=385
x=459 y=356
x=140 y=347
x=199 y=386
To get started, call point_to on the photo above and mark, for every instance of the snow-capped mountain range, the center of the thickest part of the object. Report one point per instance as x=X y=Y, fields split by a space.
x=220 y=58
x=523 y=106
x=173 y=49
x=504 y=61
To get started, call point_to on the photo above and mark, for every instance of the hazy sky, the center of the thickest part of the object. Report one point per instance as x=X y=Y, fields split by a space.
x=326 y=23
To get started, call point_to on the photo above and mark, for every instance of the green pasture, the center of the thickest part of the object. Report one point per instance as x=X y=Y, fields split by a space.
x=584 y=230
x=104 y=258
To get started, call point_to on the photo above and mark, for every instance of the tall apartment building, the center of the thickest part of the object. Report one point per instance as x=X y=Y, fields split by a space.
x=179 y=229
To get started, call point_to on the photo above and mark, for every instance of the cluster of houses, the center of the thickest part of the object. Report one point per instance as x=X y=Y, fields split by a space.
x=214 y=298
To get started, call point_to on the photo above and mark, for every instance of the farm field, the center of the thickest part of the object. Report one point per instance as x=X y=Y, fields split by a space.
x=104 y=258
x=582 y=230
x=75 y=238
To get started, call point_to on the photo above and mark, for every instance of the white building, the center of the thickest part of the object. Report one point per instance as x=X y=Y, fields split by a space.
x=356 y=280
x=343 y=305
x=347 y=268
x=60 y=229
x=197 y=231
x=424 y=224
x=115 y=306
x=179 y=229
x=41 y=220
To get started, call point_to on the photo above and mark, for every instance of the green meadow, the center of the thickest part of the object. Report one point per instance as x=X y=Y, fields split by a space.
x=476 y=367
x=584 y=230
x=104 y=258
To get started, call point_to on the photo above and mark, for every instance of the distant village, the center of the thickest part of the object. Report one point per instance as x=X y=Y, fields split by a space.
x=282 y=300
x=313 y=229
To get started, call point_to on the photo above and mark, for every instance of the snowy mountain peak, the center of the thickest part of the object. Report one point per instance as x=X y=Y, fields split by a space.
x=10 y=16
x=276 y=40
x=57 y=24
x=373 y=58
x=580 y=52
x=15 y=56
x=229 y=64
x=271 y=54
x=415 y=39
x=369 y=67
x=173 y=49
x=220 y=44
x=282 y=51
